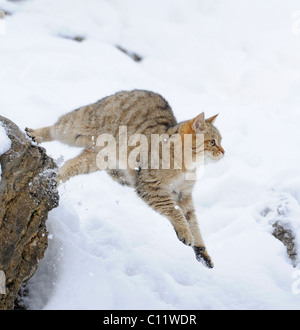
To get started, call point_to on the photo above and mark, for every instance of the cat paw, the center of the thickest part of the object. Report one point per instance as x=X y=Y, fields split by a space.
x=59 y=180
x=31 y=133
x=185 y=237
x=203 y=257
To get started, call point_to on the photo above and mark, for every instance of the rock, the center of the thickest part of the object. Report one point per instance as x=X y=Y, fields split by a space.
x=287 y=237
x=27 y=194
x=132 y=55
x=77 y=38
x=281 y=215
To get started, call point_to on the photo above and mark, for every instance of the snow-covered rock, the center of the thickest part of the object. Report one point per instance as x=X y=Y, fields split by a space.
x=5 y=142
x=26 y=197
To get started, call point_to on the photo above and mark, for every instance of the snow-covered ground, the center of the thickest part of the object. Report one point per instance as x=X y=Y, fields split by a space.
x=107 y=249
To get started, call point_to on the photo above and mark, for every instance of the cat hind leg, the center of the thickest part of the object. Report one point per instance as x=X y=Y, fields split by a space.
x=84 y=163
x=40 y=135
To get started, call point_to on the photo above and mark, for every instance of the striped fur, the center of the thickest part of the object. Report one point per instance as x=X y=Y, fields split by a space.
x=144 y=112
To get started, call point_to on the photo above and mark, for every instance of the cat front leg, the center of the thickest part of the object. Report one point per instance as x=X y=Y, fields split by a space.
x=202 y=256
x=163 y=203
x=186 y=204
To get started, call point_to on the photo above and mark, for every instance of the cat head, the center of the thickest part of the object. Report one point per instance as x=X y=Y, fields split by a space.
x=212 y=137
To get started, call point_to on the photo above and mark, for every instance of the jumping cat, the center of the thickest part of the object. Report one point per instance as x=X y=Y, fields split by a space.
x=165 y=190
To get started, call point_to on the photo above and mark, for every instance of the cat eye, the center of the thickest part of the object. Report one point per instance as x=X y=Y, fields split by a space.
x=212 y=143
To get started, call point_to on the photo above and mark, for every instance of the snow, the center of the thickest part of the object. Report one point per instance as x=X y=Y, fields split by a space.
x=5 y=142
x=107 y=249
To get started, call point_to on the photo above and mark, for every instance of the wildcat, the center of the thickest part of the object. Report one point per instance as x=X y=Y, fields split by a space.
x=165 y=190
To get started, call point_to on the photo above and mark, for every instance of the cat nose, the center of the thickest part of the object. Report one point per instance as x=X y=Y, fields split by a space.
x=222 y=150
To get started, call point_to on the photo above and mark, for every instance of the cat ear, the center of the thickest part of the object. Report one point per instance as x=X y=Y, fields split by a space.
x=199 y=123
x=212 y=119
